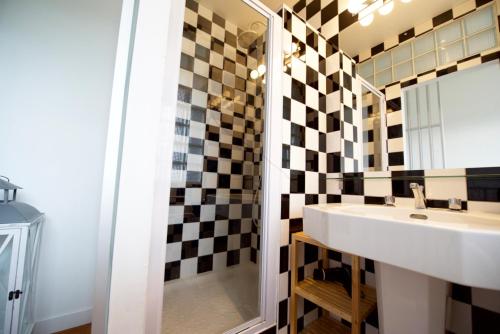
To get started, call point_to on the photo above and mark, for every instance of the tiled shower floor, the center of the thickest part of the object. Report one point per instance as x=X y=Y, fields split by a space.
x=211 y=303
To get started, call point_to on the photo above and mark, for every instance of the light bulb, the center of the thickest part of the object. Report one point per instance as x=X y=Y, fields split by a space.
x=254 y=74
x=367 y=20
x=387 y=8
x=261 y=69
x=294 y=47
x=354 y=6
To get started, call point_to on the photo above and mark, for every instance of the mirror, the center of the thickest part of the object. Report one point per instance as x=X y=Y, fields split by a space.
x=435 y=65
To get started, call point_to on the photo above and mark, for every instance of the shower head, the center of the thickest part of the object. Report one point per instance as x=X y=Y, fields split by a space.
x=247 y=37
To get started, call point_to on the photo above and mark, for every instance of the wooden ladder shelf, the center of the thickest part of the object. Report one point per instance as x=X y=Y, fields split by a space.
x=330 y=296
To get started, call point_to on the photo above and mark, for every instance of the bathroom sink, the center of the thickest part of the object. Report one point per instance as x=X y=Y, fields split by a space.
x=456 y=247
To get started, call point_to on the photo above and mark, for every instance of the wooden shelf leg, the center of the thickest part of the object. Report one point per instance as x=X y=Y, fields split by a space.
x=294 y=280
x=356 y=295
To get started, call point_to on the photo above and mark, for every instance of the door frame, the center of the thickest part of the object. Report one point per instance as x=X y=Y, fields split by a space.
x=136 y=183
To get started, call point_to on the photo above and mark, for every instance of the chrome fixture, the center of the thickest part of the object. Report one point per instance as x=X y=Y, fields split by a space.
x=418 y=193
x=389 y=200
x=455 y=204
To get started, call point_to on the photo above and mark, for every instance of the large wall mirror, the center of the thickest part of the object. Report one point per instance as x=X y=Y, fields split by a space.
x=429 y=73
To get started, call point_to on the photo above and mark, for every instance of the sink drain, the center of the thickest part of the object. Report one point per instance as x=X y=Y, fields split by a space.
x=418 y=216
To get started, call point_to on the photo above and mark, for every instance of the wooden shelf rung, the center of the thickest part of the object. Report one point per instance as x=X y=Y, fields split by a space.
x=326 y=325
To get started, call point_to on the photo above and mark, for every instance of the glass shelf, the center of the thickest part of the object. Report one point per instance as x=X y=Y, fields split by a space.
x=414 y=177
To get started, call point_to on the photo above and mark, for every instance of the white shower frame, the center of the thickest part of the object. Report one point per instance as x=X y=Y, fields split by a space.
x=136 y=182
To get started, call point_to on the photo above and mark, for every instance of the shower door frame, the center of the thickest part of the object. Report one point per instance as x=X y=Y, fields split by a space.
x=271 y=213
x=136 y=182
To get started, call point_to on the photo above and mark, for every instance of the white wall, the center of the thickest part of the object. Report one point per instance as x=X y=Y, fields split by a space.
x=56 y=67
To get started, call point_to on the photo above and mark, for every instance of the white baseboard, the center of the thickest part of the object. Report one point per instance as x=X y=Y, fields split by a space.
x=62 y=322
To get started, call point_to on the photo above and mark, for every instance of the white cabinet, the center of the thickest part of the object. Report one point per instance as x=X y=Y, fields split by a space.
x=20 y=226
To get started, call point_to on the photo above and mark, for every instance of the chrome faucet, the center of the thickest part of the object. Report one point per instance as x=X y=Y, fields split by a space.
x=418 y=193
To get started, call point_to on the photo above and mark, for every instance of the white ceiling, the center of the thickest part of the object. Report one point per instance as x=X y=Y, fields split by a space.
x=356 y=38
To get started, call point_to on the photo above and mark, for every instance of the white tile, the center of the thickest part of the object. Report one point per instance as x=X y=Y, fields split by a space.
x=220 y=260
x=322 y=122
x=190 y=231
x=209 y=180
x=283 y=287
x=216 y=59
x=211 y=148
x=173 y=251
x=284 y=232
x=298 y=28
x=489 y=207
x=218 y=32
x=487 y=299
x=298 y=113
x=203 y=39
x=285 y=181
x=312 y=139
x=192 y=196
x=297 y=202
x=199 y=98
x=189 y=267
x=207 y=213
x=353 y=199
x=201 y=68
x=197 y=130
x=333 y=64
x=446 y=187
x=297 y=158
x=322 y=162
x=312 y=179
x=380 y=187
x=186 y=78
x=333 y=102
x=224 y=166
x=312 y=97
x=394 y=118
x=395 y=145
x=195 y=162
x=298 y=70
x=312 y=58
x=188 y=47
x=459 y=317
x=220 y=228
x=175 y=214
x=333 y=142
x=287 y=85
x=233 y=242
x=330 y=28
x=205 y=246
x=322 y=46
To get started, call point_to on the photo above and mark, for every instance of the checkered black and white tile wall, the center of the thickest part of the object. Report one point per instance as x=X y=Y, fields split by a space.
x=217 y=149
x=315 y=95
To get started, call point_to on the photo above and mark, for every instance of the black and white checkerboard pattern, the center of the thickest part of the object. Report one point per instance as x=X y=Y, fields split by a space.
x=315 y=95
x=217 y=149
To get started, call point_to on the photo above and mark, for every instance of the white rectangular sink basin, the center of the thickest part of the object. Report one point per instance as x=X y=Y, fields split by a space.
x=457 y=247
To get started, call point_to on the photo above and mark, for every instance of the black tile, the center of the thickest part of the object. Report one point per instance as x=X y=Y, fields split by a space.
x=333 y=122
x=236 y=167
x=218 y=20
x=215 y=73
x=189 y=249
x=329 y=12
x=207 y=229
x=346 y=19
x=196 y=146
x=312 y=161
x=191 y=213
x=322 y=183
x=406 y=35
x=295 y=226
x=205 y=263
x=198 y=114
x=377 y=49
x=187 y=62
x=347 y=81
x=395 y=131
x=223 y=180
x=285 y=206
x=311 y=118
x=174 y=233
x=189 y=32
x=229 y=66
x=202 y=53
x=348 y=115
x=297 y=182
x=311 y=199
x=217 y=46
x=285 y=156
x=233 y=257
x=333 y=162
x=172 y=270
x=442 y=204
x=461 y=293
x=208 y=196
x=298 y=91
x=401 y=182
x=312 y=8
x=192 y=4
x=220 y=244
x=271 y=330
x=230 y=39
x=446 y=71
x=184 y=94
x=298 y=135
x=204 y=24
x=353 y=184
x=177 y=196
x=442 y=18
x=283 y=312
x=234 y=226
x=374 y=200
x=333 y=198
x=396 y=159
x=332 y=83
x=370 y=265
x=334 y=255
x=311 y=39
x=348 y=149
x=310 y=253
x=299 y=5
x=287 y=19
x=286 y=108
x=284 y=259
x=322 y=142
x=322 y=103
x=210 y=164
x=225 y=151
x=483 y=184
x=221 y=212
x=311 y=77
x=484 y=321
x=245 y=240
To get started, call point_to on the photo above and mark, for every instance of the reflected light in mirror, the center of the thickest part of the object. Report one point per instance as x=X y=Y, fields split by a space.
x=387 y=8
x=367 y=20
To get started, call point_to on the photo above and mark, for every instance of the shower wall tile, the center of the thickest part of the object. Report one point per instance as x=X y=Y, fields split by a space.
x=215 y=189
